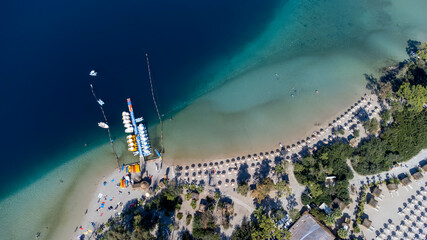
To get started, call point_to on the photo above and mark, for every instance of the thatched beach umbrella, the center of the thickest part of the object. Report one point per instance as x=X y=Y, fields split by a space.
x=221 y=163
x=216 y=164
x=233 y=160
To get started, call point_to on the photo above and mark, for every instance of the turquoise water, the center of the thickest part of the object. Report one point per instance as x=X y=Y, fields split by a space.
x=237 y=104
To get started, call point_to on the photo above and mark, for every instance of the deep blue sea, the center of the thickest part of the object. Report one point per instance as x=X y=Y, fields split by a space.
x=47 y=49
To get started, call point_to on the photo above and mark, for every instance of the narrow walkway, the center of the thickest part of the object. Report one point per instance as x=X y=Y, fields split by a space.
x=296 y=188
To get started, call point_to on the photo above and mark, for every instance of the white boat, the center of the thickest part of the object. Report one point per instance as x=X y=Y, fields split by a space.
x=128 y=125
x=125 y=114
x=100 y=102
x=126 y=117
x=93 y=73
x=129 y=137
x=129 y=130
x=139 y=119
x=103 y=125
x=126 y=122
x=130 y=141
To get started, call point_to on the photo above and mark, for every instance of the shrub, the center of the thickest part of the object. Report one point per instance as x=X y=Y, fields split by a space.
x=217 y=196
x=200 y=189
x=337 y=213
x=356 y=133
x=188 y=219
x=372 y=126
x=357 y=229
x=342 y=233
x=193 y=204
x=179 y=215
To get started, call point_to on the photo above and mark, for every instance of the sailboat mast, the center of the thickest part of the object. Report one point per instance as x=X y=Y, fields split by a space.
x=155 y=103
x=108 y=129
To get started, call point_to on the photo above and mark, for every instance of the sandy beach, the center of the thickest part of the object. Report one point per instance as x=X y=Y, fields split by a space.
x=112 y=196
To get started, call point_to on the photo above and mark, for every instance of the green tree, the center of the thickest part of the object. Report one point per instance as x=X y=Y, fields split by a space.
x=262 y=190
x=179 y=215
x=217 y=196
x=422 y=52
x=342 y=233
x=415 y=96
x=356 y=133
x=315 y=189
x=204 y=226
x=266 y=228
x=279 y=169
x=385 y=116
x=330 y=220
x=357 y=229
x=188 y=196
x=188 y=219
x=282 y=187
x=294 y=214
x=243 y=188
x=372 y=126
x=193 y=204
x=337 y=213
x=193 y=187
x=242 y=232
x=200 y=189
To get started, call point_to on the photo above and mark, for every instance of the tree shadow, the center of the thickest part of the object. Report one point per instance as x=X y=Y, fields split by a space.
x=243 y=175
x=292 y=202
x=268 y=204
x=263 y=170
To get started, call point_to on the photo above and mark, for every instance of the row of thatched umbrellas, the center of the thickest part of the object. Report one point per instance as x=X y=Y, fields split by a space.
x=304 y=142
x=414 y=224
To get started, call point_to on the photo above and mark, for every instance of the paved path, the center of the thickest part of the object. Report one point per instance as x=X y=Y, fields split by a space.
x=359 y=180
x=241 y=203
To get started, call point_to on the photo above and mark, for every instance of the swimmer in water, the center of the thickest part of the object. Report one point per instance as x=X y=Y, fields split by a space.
x=317 y=91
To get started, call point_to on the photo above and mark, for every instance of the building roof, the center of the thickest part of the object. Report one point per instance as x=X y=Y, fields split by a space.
x=405 y=181
x=391 y=186
x=308 y=228
x=417 y=175
x=366 y=223
x=425 y=167
x=338 y=203
x=373 y=203
x=376 y=192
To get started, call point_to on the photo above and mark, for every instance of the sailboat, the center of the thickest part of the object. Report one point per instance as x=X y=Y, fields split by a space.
x=93 y=73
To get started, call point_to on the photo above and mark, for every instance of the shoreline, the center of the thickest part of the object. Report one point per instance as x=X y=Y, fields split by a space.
x=92 y=203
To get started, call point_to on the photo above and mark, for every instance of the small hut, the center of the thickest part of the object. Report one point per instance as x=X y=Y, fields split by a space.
x=367 y=223
x=195 y=196
x=392 y=187
x=405 y=181
x=425 y=167
x=330 y=181
x=143 y=186
x=417 y=175
x=373 y=203
x=338 y=203
x=377 y=192
x=353 y=142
